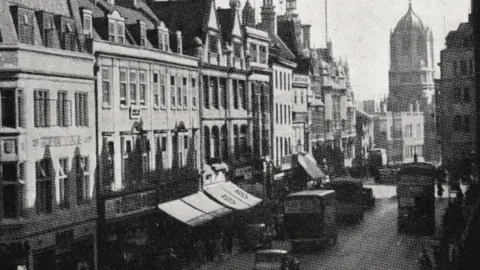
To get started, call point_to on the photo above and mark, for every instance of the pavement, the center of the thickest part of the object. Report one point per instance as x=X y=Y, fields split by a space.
x=371 y=244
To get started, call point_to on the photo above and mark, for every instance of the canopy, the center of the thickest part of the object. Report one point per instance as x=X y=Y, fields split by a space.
x=231 y=195
x=310 y=165
x=185 y=213
x=201 y=202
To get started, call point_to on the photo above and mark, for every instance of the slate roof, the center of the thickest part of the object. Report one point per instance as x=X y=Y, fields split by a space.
x=286 y=31
x=284 y=51
x=59 y=7
x=226 y=19
x=190 y=17
x=303 y=66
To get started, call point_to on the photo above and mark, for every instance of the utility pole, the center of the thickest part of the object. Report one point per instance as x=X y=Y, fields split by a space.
x=326 y=23
x=476 y=44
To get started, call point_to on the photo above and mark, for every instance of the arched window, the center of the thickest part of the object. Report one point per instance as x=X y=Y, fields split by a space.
x=457 y=122
x=224 y=143
x=236 y=141
x=216 y=141
x=206 y=138
x=466 y=95
x=467 y=123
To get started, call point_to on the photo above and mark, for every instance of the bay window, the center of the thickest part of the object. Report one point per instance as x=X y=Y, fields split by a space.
x=63 y=182
x=123 y=87
x=44 y=186
x=12 y=175
x=12 y=108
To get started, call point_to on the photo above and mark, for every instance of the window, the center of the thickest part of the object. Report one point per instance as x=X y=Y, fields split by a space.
x=87 y=25
x=276 y=114
x=111 y=31
x=466 y=95
x=253 y=53
x=455 y=68
x=212 y=44
x=81 y=109
x=127 y=148
x=133 y=87
x=288 y=82
x=285 y=115
x=184 y=92
x=289 y=149
x=237 y=50
x=467 y=123
x=236 y=141
x=457 y=95
x=263 y=54
x=161 y=151
x=243 y=141
x=69 y=41
x=123 y=87
x=63 y=182
x=49 y=33
x=44 y=196
x=25 y=29
x=206 y=92
x=193 y=88
x=42 y=108
x=13 y=188
x=223 y=92
x=63 y=109
x=419 y=131
x=109 y=165
x=120 y=38
x=163 y=90
x=106 y=83
x=83 y=179
x=241 y=91
x=463 y=67
x=179 y=92
x=281 y=81
x=301 y=97
x=295 y=97
x=145 y=148
x=276 y=79
x=284 y=81
x=12 y=113
x=235 y=93
x=156 y=98
x=172 y=91
x=214 y=90
x=143 y=87
x=143 y=36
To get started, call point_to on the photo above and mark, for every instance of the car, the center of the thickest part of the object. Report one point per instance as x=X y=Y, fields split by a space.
x=257 y=235
x=275 y=259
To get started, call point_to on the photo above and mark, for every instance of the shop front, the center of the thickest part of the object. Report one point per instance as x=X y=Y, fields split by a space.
x=68 y=248
x=128 y=233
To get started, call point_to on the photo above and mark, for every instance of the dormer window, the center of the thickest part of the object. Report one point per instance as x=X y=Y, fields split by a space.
x=24 y=25
x=116 y=28
x=87 y=23
x=143 y=35
x=68 y=36
x=213 y=44
x=163 y=38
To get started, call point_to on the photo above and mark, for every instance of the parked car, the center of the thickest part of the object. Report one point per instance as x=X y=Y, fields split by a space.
x=275 y=259
x=257 y=235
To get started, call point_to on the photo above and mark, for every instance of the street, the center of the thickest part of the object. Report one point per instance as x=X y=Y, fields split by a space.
x=370 y=244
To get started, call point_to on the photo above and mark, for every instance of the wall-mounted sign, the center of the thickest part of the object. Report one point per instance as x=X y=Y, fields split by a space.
x=300 y=79
x=57 y=141
x=245 y=171
x=130 y=204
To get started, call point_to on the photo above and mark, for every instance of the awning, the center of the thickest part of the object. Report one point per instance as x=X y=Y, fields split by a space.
x=201 y=202
x=310 y=165
x=185 y=213
x=231 y=195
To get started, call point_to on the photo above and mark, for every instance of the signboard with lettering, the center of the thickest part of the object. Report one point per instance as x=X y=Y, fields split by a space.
x=58 y=141
x=130 y=204
x=246 y=172
x=300 y=79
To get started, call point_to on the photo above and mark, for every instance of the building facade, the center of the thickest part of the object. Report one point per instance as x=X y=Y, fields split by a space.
x=455 y=92
x=411 y=74
x=147 y=126
x=47 y=133
x=364 y=141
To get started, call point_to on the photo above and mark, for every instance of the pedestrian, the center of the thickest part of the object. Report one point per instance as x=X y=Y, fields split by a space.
x=439 y=190
x=424 y=261
x=172 y=260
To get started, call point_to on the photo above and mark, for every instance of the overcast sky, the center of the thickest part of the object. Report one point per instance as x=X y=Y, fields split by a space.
x=360 y=32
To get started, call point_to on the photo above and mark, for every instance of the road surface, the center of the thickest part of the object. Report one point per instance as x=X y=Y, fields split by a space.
x=371 y=244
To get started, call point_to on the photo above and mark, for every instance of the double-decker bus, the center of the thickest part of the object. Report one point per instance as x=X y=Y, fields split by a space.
x=310 y=218
x=416 y=198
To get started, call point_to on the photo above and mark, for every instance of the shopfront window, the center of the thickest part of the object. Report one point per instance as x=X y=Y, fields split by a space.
x=13 y=186
x=44 y=196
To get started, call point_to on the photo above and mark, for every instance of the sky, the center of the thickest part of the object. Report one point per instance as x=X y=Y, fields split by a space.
x=360 y=32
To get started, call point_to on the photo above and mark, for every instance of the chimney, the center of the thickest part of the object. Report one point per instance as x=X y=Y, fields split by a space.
x=329 y=50
x=306 y=36
x=179 y=42
x=269 y=20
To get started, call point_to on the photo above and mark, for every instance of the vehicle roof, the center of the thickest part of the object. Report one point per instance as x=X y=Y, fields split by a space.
x=319 y=193
x=272 y=251
x=419 y=167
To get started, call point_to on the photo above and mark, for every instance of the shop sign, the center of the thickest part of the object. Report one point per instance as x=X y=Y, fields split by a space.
x=300 y=79
x=278 y=176
x=130 y=204
x=58 y=141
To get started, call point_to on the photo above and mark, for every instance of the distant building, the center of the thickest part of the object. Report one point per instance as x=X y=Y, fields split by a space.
x=411 y=75
x=365 y=134
x=456 y=98
x=370 y=106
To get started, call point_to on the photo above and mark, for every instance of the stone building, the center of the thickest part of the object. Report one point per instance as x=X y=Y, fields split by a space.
x=455 y=91
x=411 y=74
x=48 y=209
x=364 y=141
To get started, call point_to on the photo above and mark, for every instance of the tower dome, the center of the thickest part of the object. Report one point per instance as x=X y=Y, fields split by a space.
x=410 y=22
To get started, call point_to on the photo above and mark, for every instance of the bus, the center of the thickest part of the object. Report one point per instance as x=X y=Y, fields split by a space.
x=350 y=199
x=377 y=159
x=310 y=218
x=416 y=198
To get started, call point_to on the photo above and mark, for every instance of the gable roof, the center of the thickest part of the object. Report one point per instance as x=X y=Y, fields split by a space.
x=284 y=51
x=191 y=17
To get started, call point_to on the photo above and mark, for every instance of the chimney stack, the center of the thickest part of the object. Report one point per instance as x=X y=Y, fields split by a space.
x=306 y=36
x=417 y=106
x=269 y=20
